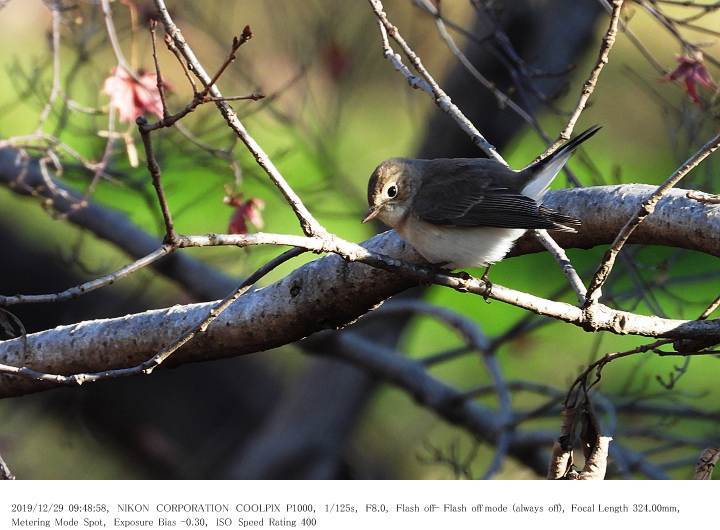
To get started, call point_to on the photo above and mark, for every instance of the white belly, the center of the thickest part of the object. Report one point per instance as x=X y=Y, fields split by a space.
x=457 y=247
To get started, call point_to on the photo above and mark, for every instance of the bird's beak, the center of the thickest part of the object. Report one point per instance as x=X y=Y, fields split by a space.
x=372 y=213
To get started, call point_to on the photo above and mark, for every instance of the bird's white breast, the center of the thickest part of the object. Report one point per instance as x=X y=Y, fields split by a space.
x=459 y=247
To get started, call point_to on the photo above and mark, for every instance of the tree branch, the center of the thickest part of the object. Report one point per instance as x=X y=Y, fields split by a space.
x=308 y=223
x=706 y=463
x=340 y=292
x=643 y=211
x=5 y=472
x=441 y=98
x=589 y=86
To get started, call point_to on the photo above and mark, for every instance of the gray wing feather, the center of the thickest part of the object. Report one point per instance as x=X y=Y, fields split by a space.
x=476 y=193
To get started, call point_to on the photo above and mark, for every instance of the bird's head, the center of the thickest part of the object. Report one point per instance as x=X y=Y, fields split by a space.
x=391 y=188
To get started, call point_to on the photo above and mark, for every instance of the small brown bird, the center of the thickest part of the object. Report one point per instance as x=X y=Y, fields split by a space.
x=467 y=212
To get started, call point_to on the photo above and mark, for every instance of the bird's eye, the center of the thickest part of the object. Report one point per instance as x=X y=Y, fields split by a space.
x=392 y=191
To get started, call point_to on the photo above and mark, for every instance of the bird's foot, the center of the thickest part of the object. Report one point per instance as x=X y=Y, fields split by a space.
x=488 y=284
x=441 y=268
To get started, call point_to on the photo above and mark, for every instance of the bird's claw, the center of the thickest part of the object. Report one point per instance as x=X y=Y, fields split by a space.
x=488 y=285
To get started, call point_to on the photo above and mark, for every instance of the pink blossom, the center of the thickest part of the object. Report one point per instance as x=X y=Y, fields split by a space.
x=691 y=71
x=245 y=211
x=133 y=98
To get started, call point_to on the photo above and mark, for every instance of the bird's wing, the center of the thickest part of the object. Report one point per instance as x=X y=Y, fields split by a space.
x=470 y=194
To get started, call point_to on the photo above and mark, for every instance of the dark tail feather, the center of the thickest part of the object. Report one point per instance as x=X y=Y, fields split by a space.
x=573 y=143
x=561 y=223
x=565 y=149
x=541 y=174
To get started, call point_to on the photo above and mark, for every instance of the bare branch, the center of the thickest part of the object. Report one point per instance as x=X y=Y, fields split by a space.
x=154 y=169
x=589 y=86
x=647 y=208
x=5 y=473
x=308 y=223
x=56 y=88
x=23 y=176
x=557 y=252
x=90 y=286
x=148 y=366
x=706 y=463
x=338 y=292
x=158 y=74
x=503 y=99
x=114 y=42
x=442 y=100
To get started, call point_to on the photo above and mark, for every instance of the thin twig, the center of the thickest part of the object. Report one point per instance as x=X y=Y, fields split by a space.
x=591 y=82
x=502 y=98
x=201 y=97
x=158 y=73
x=99 y=168
x=90 y=286
x=706 y=198
x=557 y=252
x=115 y=43
x=154 y=169
x=149 y=365
x=597 y=366
x=645 y=209
x=55 y=89
x=309 y=224
x=252 y=97
x=442 y=100
x=171 y=46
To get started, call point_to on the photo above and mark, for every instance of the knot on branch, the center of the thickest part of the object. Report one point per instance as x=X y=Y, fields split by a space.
x=444 y=102
x=593 y=317
x=597 y=317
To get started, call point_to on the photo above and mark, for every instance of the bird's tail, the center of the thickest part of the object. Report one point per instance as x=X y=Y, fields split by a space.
x=542 y=173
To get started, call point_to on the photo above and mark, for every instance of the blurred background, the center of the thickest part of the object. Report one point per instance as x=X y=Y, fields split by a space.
x=334 y=108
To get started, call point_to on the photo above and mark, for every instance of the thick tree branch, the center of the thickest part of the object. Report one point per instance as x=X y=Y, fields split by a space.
x=677 y=221
x=339 y=292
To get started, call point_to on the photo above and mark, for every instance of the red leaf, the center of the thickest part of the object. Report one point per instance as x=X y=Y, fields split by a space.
x=245 y=211
x=691 y=71
x=133 y=98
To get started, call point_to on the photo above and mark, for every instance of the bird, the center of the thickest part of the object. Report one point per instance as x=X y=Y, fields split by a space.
x=467 y=212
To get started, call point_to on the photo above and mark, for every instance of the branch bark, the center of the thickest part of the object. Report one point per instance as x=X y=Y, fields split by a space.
x=706 y=463
x=339 y=292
